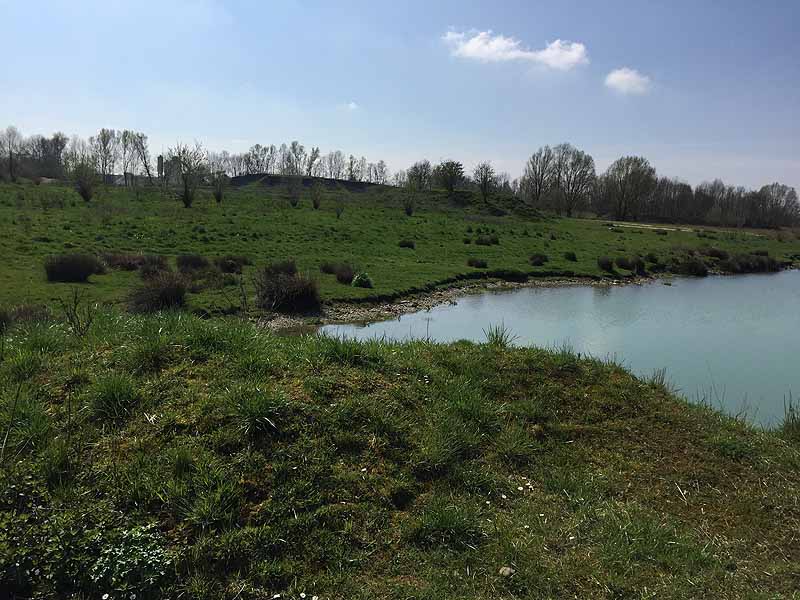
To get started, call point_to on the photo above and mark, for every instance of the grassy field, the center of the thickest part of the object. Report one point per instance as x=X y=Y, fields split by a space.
x=260 y=223
x=170 y=456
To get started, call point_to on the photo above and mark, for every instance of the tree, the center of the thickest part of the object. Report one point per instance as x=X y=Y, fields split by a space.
x=335 y=162
x=449 y=174
x=629 y=179
x=128 y=155
x=420 y=175
x=189 y=165
x=311 y=160
x=485 y=178
x=573 y=175
x=140 y=147
x=537 y=178
x=10 y=144
x=106 y=148
x=217 y=174
x=81 y=166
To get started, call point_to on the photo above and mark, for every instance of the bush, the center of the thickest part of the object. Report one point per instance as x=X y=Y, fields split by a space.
x=152 y=265
x=343 y=271
x=132 y=262
x=651 y=257
x=483 y=240
x=714 y=253
x=537 y=260
x=165 y=290
x=606 y=264
x=477 y=263
x=750 y=263
x=570 y=256
x=191 y=262
x=6 y=318
x=231 y=263
x=362 y=280
x=691 y=265
x=467 y=240
x=514 y=275
x=407 y=244
x=633 y=264
x=72 y=268
x=661 y=232
x=281 y=288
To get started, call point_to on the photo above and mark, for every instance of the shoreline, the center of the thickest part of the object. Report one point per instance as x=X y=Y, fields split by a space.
x=341 y=312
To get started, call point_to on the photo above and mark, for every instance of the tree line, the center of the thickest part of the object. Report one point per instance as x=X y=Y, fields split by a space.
x=561 y=179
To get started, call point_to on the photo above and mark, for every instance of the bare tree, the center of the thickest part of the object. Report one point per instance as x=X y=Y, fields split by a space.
x=485 y=178
x=312 y=159
x=140 y=147
x=574 y=177
x=538 y=176
x=420 y=175
x=217 y=174
x=10 y=144
x=189 y=165
x=629 y=179
x=106 y=148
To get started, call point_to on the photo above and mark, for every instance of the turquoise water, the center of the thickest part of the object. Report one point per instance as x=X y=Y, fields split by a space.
x=731 y=341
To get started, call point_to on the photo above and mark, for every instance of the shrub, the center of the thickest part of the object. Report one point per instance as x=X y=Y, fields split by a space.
x=191 y=262
x=6 y=319
x=343 y=271
x=409 y=203
x=114 y=396
x=691 y=265
x=483 y=240
x=123 y=262
x=514 y=275
x=651 y=257
x=165 y=290
x=750 y=263
x=477 y=263
x=537 y=260
x=231 y=263
x=714 y=253
x=571 y=256
x=467 y=240
x=606 y=264
x=152 y=265
x=661 y=232
x=345 y=274
x=624 y=263
x=72 y=268
x=407 y=244
x=281 y=288
x=362 y=280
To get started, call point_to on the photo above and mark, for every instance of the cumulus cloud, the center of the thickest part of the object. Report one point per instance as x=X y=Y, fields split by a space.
x=628 y=81
x=485 y=46
x=350 y=106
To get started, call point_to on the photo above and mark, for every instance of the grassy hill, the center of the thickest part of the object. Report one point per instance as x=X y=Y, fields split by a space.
x=259 y=222
x=169 y=456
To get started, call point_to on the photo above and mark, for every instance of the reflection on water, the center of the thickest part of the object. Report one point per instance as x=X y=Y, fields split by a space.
x=733 y=341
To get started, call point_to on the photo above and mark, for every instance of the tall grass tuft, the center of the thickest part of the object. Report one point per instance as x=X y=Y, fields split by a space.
x=499 y=336
x=114 y=396
x=164 y=291
x=790 y=427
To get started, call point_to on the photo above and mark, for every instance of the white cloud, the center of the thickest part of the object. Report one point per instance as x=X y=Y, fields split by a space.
x=628 y=81
x=350 y=106
x=486 y=47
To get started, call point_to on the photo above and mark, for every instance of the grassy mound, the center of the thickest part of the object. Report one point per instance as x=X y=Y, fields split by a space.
x=169 y=456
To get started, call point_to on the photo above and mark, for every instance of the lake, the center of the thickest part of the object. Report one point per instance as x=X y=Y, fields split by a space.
x=731 y=341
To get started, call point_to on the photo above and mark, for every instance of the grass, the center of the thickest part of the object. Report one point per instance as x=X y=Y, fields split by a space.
x=259 y=223
x=171 y=456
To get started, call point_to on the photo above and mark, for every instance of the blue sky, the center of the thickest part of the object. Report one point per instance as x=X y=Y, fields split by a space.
x=712 y=88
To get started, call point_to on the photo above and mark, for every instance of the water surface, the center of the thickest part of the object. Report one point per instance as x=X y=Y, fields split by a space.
x=730 y=341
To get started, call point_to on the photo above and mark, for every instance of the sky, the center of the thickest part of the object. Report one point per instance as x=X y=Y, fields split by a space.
x=703 y=89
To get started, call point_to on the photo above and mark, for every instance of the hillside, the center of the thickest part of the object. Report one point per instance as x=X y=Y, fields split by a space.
x=169 y=456
x=363 y=229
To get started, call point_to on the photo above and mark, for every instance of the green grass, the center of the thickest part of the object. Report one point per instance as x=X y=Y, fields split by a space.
x=259 y=223
x=220 y=460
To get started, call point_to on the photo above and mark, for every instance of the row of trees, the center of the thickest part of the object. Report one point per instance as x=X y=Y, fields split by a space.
x=562 y=178
x=294 y=159
x=127 y=152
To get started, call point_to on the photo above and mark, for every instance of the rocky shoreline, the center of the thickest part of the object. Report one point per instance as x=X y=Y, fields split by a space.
x=365 y=312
